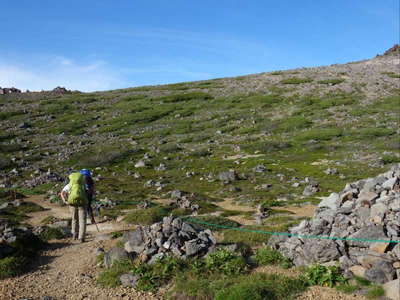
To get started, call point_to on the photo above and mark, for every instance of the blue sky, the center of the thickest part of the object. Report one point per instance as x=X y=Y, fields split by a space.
x=103 y=44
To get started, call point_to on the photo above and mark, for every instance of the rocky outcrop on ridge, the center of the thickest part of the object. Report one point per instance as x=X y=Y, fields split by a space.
x=360 y=221
x=5 y=91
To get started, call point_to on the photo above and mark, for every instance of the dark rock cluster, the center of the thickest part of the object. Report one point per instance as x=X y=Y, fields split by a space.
x=42 y=178
x=10 y=235
x=172 y=236
x=368 y=210
x=5 y=91
x=184 y=200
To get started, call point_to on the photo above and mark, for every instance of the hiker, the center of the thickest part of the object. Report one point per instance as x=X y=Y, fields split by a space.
x=74 y=194
x=89 y=188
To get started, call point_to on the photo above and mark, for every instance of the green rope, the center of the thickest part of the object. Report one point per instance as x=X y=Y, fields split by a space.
x=290 y=234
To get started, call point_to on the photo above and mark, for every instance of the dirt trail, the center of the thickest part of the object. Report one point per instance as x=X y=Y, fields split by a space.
x=67 y=269
x=62 y=212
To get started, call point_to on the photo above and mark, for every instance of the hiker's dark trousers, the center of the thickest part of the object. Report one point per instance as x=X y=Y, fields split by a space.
x=78 y=223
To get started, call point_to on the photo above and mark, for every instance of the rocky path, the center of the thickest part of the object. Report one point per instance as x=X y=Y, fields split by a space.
x=67 y=269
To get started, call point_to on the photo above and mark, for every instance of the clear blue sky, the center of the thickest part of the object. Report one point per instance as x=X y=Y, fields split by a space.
x=106 y=44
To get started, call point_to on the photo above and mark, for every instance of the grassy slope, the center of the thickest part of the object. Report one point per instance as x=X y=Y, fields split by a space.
x=194 y=126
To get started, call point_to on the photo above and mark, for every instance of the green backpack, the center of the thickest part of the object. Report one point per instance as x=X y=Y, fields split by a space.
x=77 y=194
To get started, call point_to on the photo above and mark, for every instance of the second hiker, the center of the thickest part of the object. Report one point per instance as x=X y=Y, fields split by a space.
x=89 y=187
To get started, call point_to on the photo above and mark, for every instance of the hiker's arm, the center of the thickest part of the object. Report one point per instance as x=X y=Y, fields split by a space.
x=63 y=196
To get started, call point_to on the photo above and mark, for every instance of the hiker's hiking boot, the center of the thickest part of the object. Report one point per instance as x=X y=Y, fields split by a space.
x=82 y=240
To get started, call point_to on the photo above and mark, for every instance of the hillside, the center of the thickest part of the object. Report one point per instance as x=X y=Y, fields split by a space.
x=271 y=144
x=298 y=123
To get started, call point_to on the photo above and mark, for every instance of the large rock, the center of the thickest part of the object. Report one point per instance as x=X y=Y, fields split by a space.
x=331 y=202
x=367 y=235
x=320 y=250
x=128 y=280
x=228 y=176
x=392 y=289
x=134 y=241
x=381 y=272
x=358 y=271
x=114 y=255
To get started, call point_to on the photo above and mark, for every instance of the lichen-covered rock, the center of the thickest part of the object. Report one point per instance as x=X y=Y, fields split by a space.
x=358 y=225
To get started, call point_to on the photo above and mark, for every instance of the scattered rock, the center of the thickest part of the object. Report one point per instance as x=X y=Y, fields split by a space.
x=115 y=254
x=311 y=189
x=140 y=164
x=228 y=176
x=392 y=289
x=128 y=280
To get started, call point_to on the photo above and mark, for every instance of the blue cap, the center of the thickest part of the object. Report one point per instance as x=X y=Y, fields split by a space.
x=85 y=172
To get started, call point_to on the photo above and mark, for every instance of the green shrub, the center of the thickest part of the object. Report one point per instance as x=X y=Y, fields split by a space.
x=277 y=73
x=178 y=212
x=214 y=220
x=200 y=153
x=391 y=74
x=101 y=156
x=267 y=146
x=324 y=276
x=375 y=292
x=268 y=256
x=117 y=234
x=226 y=262
x=10 y=148
x=296 y=80
x=5 y=162
x=347 y=288
x=244 y=291
x=184 y=97
x=155 y=275
x=5 y=115
x=390 y=159
x=146 y=216
x=294 y=123
x=333 y=81
x=259 y=286
x=50 y=233
x=362 y=281
x=12 y=266
x=319 y=134
x=248 y=238
x=170 y=148
x=17 y=214
x=207 y=207
x=229 y=213
x=110 y=277
x=263 y=101
x=375 y=132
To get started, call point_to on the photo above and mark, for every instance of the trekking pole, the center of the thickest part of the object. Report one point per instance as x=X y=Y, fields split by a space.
x=94 y=220
x=97 y=227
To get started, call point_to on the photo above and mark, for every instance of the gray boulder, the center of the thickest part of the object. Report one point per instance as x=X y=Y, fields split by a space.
x=115 y=254
x=228 y=176
x=331 y=202
x=381 y=272
x=128 y=280
x=370 y=233
x=134 y=240
x=320 y=250
x=193 y=247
